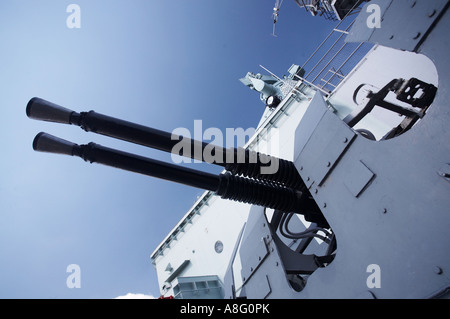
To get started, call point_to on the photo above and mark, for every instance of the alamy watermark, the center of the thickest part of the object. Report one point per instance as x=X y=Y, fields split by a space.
x=223 y=148
x=374 y=279
x=74 y=279
x=73 y=21
x=374 y=19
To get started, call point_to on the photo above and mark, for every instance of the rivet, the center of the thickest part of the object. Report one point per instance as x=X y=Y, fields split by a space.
x=384 y=210
x=308 y=179
x=328 y=164
x=316 y=191
x=324 y=205
x=276 y=264
x=301 y=168
x=413 y=4
x=432 y=13
x=417 y=35
x=251 y=268
x=391 y=37
x=438 y=270
x=345 y=140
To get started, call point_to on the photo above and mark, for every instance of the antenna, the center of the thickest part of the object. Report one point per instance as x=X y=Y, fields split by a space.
x=276 y=9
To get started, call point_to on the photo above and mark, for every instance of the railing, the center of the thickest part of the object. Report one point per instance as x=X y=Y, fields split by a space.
x=333 y=60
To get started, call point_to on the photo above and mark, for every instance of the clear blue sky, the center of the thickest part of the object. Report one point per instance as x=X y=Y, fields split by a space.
x=159 y=63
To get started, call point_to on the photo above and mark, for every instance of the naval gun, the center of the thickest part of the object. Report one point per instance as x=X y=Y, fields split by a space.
x=386 y=201
x=283 y=191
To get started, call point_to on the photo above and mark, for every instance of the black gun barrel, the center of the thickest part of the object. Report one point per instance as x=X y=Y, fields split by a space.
x=95 y=153
x=227 y=186
x=237 y=161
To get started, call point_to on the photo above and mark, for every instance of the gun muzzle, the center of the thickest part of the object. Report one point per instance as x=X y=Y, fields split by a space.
x=44 y=142
x=40 y=109
x=237 y=161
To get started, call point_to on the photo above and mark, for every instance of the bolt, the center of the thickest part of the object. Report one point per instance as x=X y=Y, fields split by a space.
x=417 y=35
x=438 y=270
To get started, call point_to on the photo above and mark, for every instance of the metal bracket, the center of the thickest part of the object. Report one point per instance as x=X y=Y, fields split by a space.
x=293 y=262
x=407 y=92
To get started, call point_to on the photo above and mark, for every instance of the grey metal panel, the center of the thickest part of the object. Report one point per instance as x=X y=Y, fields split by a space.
x=333 y=140
x=324 y=145
x=358 y=178
x=309 y=122
x=228 y=281
x=268 y=280
x=404 y=23
x=360 y=31
x=401 y=221
x=254 y=251
x=261 y=288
